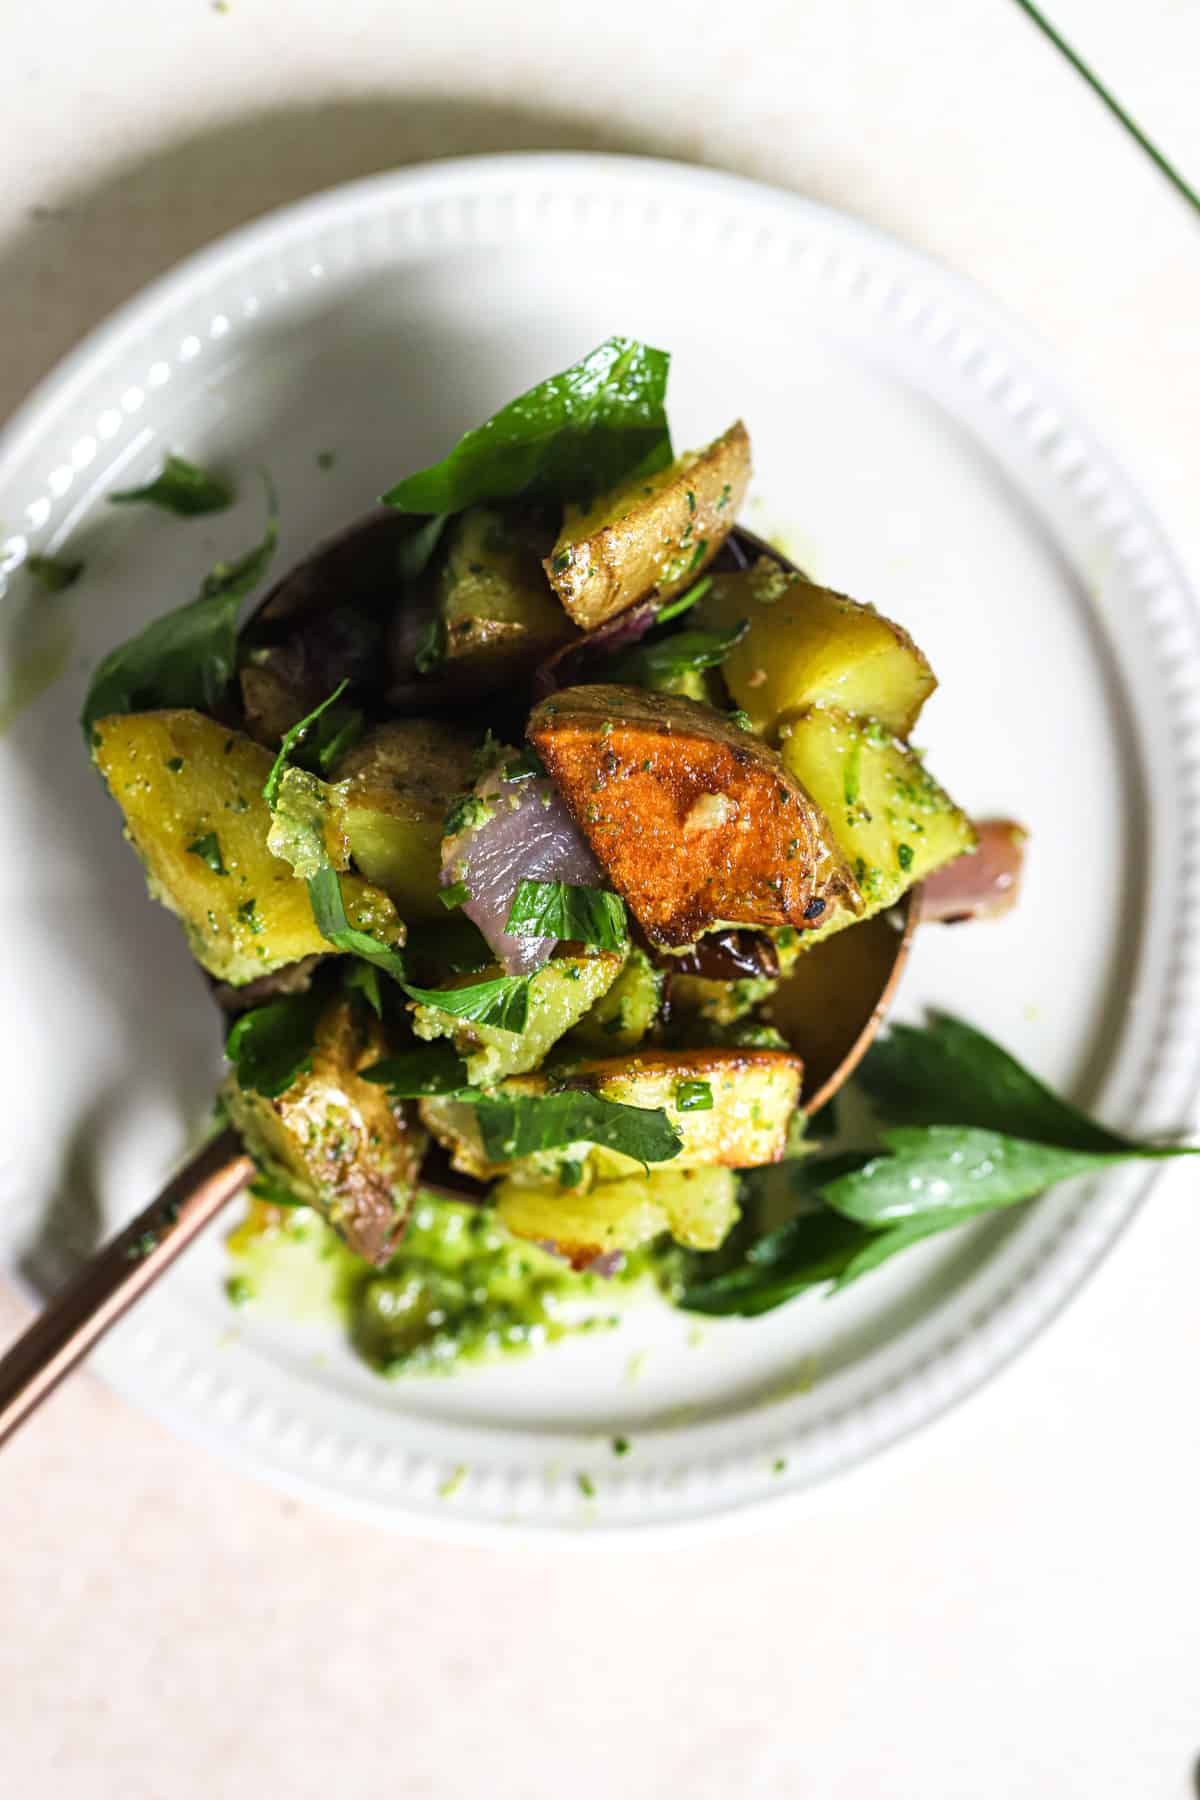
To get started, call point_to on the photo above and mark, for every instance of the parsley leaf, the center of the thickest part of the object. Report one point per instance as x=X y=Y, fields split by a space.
x=457 y=894
x=270 y=1046
x=954 y=1171
x=597 y=423
x=291 y=739
x=981 y=1134
x=693 y=1096
x=362 y=979
x=947 y=1073
x=524 y=1125
x=581 y=915
x=502 y=1001
x=650 y=665
x=54 y=573
x=329 y=911
x=432 y=1069
x=208 y=849
x=179 y=487
x=187 y=657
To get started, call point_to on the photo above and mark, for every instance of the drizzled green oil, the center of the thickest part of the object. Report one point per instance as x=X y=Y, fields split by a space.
x=460 y=1289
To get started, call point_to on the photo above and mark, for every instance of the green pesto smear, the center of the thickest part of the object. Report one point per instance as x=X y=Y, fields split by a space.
x=460 y=1289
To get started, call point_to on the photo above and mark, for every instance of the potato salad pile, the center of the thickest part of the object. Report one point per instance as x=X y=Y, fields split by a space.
x=505 y=824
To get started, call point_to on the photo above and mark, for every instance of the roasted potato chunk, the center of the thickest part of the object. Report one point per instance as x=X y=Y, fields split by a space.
x=560 y=993
x=696 y=822
x=399 y=782
x=807 y=645
x=336 y=1141
x=698 y=1207
x=191 y=793
x=892 y=820
x=731 y=1108
x=497 y=615
x=621 y=1017
x=658 y=533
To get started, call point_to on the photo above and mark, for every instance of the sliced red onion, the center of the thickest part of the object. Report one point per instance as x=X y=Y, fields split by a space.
x=568 y=665
x=528 y=835
x=984 y=883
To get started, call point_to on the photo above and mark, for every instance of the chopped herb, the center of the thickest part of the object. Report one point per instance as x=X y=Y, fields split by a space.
x=329 y=911
x=570 y=1173
x=904 y=856
x=272 y=1045
x=652 y=664
x=502 y=1002
x=413 y=1074
x=208 y=849
x=851 y=770
x=54 y=573
x=741 y=719
x=326 y=459
x=291 y=739
x=174 y=764
x=248 y=914
x=673 y=608
x=571 y=437
x=457 y=894
x=620 y=1446
x=779 y=1465
x=525 y=767
x=525 y=1125
x=361 y=978
x=465 y=813
x=431 y=646
x=188 y=657
x=179 y=487
x=693 y=1096
x=582 y=915
x=562 y=561
x=587 y=1486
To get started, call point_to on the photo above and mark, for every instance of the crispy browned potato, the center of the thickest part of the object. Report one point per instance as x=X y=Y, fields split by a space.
x=337 y=1142
x=696 y=821
x=657 y=533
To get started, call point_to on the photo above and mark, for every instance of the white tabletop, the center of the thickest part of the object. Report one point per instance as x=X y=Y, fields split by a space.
x=1004 y=1606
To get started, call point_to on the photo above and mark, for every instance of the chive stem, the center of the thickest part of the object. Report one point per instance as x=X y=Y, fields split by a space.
x=1114 y=106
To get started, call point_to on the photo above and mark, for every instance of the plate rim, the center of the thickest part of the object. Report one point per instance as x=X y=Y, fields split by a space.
x=1118 y=1196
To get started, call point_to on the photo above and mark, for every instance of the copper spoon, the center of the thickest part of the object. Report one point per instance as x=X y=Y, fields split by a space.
x=121 y=1271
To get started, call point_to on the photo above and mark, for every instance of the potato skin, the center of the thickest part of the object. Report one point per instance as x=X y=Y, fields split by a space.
x=336 y=1140
x=658 y=534
x=400 y=780
x=696 y=821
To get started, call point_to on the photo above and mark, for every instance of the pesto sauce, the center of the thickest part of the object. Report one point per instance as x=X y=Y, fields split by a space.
x=460 y=1289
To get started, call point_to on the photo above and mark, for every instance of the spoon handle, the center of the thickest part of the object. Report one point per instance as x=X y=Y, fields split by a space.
x=118 y=1274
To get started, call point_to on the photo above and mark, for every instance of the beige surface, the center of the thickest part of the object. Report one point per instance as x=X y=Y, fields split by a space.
x=1006 y=1606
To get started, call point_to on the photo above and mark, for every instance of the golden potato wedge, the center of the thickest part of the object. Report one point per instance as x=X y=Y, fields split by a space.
x=497 y=615
x=658 y=533
x=731 y=1108
x=696 y=821
x=191 y=793
x=699 y=1208
x=807 y=645
x=336 y=1141
x=892 y=820
x=621 y=1017
x=399 y=782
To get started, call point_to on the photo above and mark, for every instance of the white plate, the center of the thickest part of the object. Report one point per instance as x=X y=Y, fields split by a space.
x=914 y=451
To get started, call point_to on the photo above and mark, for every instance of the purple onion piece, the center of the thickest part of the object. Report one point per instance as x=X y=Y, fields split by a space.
x=568 y=665
x=529 y=836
